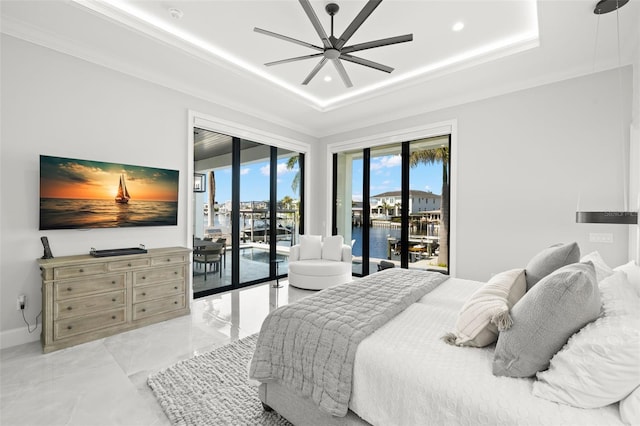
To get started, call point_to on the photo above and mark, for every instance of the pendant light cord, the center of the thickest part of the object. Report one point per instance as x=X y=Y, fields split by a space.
x=624 y=149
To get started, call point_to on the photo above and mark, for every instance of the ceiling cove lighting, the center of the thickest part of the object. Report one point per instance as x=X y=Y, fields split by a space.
x=612 y=217
x=128 y=14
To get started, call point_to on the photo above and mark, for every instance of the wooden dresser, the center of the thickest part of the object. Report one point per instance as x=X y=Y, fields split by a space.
x=86 y=298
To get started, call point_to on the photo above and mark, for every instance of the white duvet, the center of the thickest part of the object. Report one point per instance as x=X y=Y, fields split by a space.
x=404 y=374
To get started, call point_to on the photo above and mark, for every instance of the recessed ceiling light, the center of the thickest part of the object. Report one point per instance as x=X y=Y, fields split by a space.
x=327 y=78
x=458 y=26
x=175 y=13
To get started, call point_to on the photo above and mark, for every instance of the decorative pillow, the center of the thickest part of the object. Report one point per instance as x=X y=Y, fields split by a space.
x=310 y=247
x=549 y=260
x=332 y=248
x=602 y=269
x=544 y=319
x=633 y=274
x=487 y=310
x=599 y=365
x=630 y=408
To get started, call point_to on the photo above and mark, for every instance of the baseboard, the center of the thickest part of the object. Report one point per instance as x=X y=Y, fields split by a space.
x=18 y=336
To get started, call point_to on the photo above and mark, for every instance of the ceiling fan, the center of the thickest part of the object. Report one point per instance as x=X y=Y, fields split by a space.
x=333 y=48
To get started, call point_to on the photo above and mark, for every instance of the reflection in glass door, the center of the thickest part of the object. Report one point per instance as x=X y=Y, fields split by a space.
x=349 y=216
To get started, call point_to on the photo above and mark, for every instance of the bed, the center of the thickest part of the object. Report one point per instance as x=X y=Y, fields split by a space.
x=405 y=374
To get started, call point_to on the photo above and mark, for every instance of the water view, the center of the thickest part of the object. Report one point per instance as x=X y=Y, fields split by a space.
x=63 y=213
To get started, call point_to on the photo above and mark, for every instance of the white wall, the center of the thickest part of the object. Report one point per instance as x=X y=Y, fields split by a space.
x=523 y=160
x=517 y=152
x=57 y=105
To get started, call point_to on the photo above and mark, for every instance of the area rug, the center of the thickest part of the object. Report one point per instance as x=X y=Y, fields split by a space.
x=213 y=389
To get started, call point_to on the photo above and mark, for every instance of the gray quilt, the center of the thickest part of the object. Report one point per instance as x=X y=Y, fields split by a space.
x=310 y=346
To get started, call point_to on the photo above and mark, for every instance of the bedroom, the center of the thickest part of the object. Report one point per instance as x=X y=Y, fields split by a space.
x=528 y=152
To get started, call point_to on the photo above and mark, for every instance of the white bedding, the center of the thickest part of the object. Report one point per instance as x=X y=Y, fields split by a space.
x=427 y=382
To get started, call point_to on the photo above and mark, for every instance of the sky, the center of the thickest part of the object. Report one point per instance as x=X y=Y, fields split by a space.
x=90 y=180
x=385 y=176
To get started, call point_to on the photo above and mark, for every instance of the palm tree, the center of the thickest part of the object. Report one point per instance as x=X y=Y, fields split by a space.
x=286 y=202
x=433 y=156
x=291 y=164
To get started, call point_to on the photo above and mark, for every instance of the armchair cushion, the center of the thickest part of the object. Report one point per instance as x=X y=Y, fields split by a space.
x=332 y=248
x=310 y=247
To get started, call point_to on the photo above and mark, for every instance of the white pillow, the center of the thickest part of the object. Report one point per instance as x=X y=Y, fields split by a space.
x=602 y=269
x=633 y=274
x=630 y=408
x=332 y=248
x=618 y=296
x=600 y=364
x=310 y=247
x=487 y=310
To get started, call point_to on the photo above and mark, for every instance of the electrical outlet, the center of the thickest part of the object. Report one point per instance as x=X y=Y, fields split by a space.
x=21 y=302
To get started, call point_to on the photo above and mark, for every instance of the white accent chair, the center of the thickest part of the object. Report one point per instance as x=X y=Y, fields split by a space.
x=317 y=269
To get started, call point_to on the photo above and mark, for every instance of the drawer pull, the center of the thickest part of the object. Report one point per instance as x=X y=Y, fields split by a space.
x=175 y=272
x=68 y=288
x=175 y=288
x=144 y=294
x=69 y=327
x=69 y=308
x=81 y=270
x=144 y=310
x=144 y=278
x=175 y=303
x=168 y=260
x=113 y=282
x=113 y=317
x=128 y=264
x=113 y=300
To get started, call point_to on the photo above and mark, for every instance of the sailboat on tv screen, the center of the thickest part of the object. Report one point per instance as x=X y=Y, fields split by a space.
x=123 y=195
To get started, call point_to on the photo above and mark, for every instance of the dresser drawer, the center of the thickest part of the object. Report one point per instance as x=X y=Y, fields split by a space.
x=85 y=305
x=88 y=323
x=79 y=271
x=125 y=265
x=98 y=284
x=150 y=292
x=154 y=307
x=168 y=259
x=155 y=275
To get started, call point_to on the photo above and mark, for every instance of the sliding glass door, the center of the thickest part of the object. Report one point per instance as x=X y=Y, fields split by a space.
x=392 y=202
x=254 y=206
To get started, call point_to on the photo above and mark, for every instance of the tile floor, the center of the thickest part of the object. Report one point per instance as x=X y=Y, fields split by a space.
x=104 y=382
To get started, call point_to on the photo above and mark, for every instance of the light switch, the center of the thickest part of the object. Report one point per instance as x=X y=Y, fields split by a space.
x=601 y=237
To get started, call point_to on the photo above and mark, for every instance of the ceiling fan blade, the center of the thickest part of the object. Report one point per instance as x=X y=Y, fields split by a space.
x=298 y=58
x=366 y=63
x=316 y=23
x=377 y=43
x=289 y=39
x=343 y=72
x=355 y=24
x=315 y=71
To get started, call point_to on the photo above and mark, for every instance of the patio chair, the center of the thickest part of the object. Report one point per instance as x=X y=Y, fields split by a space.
x=209 y=254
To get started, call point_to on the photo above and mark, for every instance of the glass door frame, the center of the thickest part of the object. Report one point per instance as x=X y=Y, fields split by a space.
x=442 y=129
x=202 y=121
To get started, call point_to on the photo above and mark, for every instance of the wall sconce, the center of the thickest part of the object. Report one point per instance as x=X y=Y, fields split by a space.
x=199 y=182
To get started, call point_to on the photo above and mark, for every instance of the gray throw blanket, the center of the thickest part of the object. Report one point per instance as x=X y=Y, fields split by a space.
x=310 y=346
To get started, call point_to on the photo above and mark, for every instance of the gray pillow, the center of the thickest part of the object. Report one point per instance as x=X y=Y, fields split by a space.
x=544 y=319
x=550 y=259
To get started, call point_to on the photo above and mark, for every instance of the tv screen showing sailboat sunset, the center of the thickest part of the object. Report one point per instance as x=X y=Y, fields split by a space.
x=94 y=194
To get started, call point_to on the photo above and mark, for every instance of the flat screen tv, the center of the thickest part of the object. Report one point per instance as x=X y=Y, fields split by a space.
x=77 y=194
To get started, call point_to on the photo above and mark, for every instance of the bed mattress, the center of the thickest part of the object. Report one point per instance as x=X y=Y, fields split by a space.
x=426 y=381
